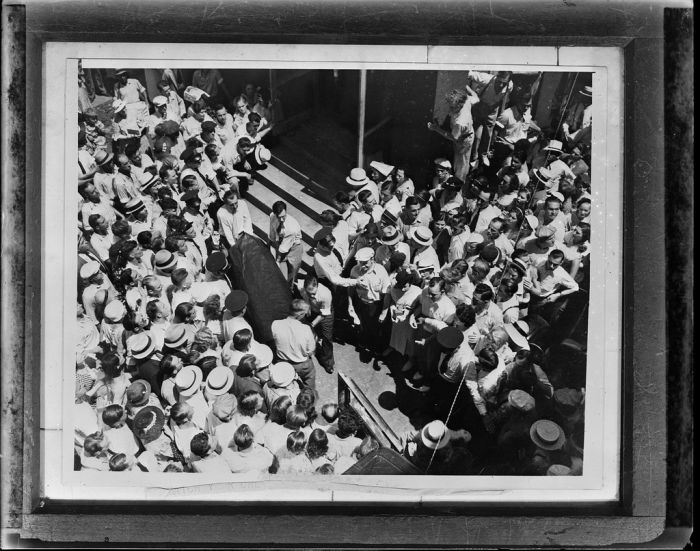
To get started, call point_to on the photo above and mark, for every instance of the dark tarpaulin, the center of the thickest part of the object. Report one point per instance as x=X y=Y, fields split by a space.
x=254 y=270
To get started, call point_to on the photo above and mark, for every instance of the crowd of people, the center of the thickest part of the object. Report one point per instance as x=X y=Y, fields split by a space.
x=467 y=283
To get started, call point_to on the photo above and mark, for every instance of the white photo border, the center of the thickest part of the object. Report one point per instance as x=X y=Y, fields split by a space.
x=601 y=479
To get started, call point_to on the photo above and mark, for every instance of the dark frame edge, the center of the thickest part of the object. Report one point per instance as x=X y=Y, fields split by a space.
x=645 y=520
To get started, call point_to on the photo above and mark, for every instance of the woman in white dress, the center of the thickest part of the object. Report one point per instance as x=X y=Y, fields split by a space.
x=400 y=299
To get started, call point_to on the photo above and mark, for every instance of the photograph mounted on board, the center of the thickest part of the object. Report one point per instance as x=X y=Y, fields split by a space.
x=319 y=271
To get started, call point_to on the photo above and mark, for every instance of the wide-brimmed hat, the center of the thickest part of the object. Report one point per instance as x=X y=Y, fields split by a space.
x=148 y=424
x=121 y=71
x=160 y=101
x=142 y=346
x=543 y=174
x=133 y=206
x=164 y=260
x=282 y=374
x=89 y=269
x=236 y=300
x=383 y=168
x=358 y=177
x=421 y=235
x=188 y=380
x=138 y=392
x=262 y=154
x=390 y=235
x=547 y=435
x=102 y=157
x=435 y=435
x=532 y=221
x=148 y=180
x=450 y=337
x=521 y=400
x=586 y=91
x=553 y=145
x=114 y=312
x=518 y=332
x=219 y=380
x=175 y=336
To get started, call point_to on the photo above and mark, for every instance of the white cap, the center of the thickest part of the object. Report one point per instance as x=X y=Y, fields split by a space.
x=159 y=101
x=89 y=269
x=364 y=254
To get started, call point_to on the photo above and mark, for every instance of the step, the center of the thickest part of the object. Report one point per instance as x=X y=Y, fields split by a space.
x=263 y=198
x=295 y=188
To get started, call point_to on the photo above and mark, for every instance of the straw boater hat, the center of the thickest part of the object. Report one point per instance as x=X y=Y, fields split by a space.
x=262 y=154
x=175 y=336
x=188 y=380
x=263 y=354
x=383 y=168
x=543 y=174
x=165 y=260
x=102 y=157
x=421 y=235
x=390 y=235
x=282 y=374
x=121 y=71
x=148 y=424
x=547 y=435
x=358 y=177
x=147 y=180
x=133 y=206
x=219 y=380
x=587 y=91
x=435 y=435
x=553 y=145
x=518 y=332
x=142 y=346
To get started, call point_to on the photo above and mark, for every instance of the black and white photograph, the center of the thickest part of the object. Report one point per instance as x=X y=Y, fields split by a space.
x=333 y=269
x=337 y=274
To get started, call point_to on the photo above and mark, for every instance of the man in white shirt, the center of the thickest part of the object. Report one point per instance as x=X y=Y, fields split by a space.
x=234 y=219
x=286 y=239
x=321 y=319
x=295 y=342
x=372 y=284
x=553 y=283
x=224 y=124
x=94 y=203
x=102 y=238
x=328 y=265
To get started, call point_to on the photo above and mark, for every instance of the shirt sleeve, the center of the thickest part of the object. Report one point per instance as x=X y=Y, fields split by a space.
x=565 y=280
x=331 y=276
